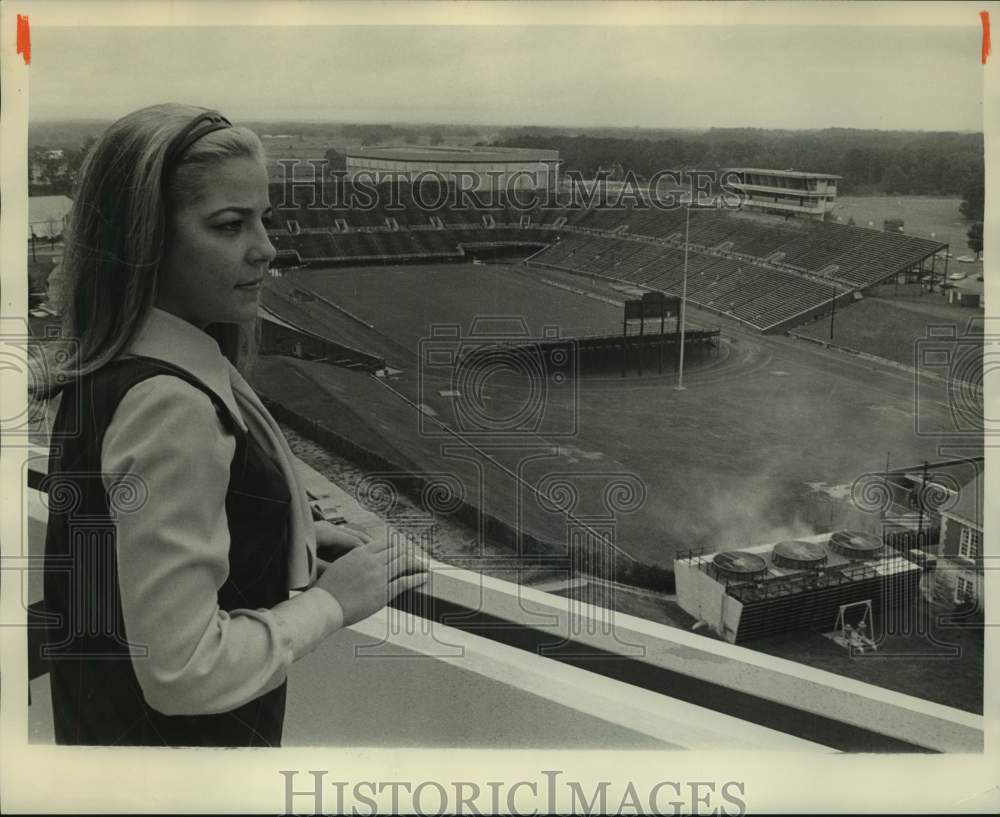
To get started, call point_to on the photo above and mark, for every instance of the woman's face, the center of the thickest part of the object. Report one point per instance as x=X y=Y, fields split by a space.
x=217 y=247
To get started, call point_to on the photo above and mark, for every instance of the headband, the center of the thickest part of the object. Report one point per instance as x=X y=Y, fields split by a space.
x=202 y=125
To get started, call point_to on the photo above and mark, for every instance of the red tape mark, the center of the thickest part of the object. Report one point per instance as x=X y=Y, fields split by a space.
x=24 y=38
x=985 y=17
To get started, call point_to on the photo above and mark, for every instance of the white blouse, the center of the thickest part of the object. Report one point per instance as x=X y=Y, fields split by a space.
x=173 y=551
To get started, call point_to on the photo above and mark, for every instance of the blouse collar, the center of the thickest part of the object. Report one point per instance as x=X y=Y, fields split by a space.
x=167 y=337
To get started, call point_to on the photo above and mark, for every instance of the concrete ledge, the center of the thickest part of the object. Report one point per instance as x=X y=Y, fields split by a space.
x=676 y=723
x=865 y=706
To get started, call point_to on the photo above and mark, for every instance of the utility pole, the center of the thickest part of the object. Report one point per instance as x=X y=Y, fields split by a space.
x=833 y=307
x=920 y=508
x=886 y=475
x=662 y=318
x=684 y=289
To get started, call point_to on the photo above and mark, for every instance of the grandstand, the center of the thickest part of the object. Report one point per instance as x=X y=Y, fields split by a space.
x=768 y=274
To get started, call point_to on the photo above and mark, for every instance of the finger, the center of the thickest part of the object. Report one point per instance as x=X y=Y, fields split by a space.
x=378 y=545
x=360 y=534
x=332 y=553
x=380 y=554
x=347 y=542
x=351 y=535
x=398 y=550
x=408 y=582
x=404 y=562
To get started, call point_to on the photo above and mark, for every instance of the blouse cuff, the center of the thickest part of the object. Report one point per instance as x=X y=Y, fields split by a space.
x=309 y=618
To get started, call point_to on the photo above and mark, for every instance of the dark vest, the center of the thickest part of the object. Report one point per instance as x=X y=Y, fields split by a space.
x=96 y=698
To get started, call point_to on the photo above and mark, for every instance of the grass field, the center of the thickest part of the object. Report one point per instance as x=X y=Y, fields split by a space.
x=730 y=461
x=922 y=216
x=891 y=327
x=406 y=302
x=943 y=664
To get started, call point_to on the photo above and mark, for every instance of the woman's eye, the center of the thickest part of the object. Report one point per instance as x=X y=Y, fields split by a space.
x=230 y=226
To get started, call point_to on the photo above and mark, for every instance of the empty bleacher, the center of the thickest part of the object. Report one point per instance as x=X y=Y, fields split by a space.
x=756 y=295
x=765 y=273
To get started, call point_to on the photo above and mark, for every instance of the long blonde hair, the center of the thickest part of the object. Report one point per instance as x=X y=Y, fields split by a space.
x=118 y=230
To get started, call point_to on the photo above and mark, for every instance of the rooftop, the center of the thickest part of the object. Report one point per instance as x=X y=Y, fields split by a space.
x=967 y=284
x=794 y=174
x=969 y=507
x=788 y=578
x=44 y=208
x=953 y=474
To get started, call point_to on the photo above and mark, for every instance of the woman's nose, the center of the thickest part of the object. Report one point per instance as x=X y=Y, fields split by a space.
x=264 y=250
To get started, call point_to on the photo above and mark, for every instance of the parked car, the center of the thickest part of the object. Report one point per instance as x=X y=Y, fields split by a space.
x=966 y=259
x=956 y=276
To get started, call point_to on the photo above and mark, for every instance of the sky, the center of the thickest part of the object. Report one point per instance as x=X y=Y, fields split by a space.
x=767 y=76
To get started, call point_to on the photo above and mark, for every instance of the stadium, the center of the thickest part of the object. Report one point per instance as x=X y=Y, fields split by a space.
x=390 y=281
x=393 y=282
x=596 y=404
x=770 y=275
x=493 y=350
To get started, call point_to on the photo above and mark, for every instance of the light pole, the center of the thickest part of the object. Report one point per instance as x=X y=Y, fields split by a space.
x=684 y=289
x=833 y=307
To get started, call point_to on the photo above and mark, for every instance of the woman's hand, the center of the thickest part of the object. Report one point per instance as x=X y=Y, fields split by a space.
x=369 y=576
x=333 y=541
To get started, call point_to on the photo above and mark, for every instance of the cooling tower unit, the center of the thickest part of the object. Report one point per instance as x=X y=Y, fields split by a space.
x=856 y=544
x=798 y=555
x=737 y=565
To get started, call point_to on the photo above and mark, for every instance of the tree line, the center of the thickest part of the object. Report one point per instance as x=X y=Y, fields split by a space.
x=870 y=162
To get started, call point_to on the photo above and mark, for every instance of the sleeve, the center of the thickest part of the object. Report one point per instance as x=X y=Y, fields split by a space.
x=173 y=556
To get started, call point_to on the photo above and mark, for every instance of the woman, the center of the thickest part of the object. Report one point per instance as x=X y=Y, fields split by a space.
x=177 y=525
